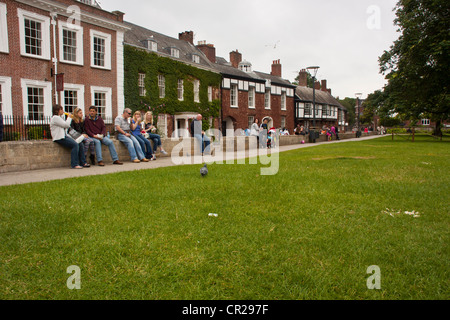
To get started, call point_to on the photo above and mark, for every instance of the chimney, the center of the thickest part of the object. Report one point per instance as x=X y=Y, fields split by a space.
x=303 y=78
x=187 y=36
x=324 y=86
x=317 y=85
x=329 y=91
x=276 y=68
x=235 y=58
x=119 y=15
x=208 y=50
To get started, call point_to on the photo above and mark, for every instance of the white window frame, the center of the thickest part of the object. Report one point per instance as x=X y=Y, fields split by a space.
x=162 y=86
x=175 y=52
x=234 y=88
x=180 y=89
x=47 y=86
x=107 y=38
x=196 y=90
x=80 y=94
x=251 y=97
x=141 y=84
x=45 y=26
x=283 y=100
x=267 y=98
x=425 y=122
x=4 y=46
x=5 y=83
x=108 y=101
x=195 y=58
x=79 y=38
x=210 y=94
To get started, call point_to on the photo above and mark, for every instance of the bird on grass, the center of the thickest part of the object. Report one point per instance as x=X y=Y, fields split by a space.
x=204 y=170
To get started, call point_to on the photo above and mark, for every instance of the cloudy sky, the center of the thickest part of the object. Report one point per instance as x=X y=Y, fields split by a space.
x=343 y=37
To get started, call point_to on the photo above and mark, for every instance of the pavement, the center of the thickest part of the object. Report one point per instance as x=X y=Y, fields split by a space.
x=23 y=177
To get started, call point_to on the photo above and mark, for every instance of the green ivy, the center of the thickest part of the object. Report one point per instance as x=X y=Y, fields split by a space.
x=140 y=61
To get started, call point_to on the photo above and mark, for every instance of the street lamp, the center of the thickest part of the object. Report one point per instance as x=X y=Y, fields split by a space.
x=313 y=72
x=358 y=97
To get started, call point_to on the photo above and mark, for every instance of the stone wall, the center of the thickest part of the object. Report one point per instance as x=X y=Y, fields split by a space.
x=44 y=154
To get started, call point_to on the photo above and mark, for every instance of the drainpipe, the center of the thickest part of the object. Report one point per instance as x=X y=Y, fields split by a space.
x=54 y=59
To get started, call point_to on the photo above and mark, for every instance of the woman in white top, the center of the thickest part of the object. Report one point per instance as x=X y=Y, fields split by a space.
x=254 y=130
x=58 y=128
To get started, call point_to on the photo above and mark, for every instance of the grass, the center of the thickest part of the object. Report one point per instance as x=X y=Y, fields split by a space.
x=308 y=232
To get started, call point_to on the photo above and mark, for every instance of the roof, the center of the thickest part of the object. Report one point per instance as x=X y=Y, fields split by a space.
x=138 y=35
x=322 y=97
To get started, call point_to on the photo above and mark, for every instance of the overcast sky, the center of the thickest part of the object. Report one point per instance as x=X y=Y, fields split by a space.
x=343 y=37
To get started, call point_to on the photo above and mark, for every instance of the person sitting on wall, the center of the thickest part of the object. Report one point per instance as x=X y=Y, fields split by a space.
x=123 y=130
x=96 y=129
x=136 y=132
x=58 y=127
x=149 y=128
x=198 y=133
x=79 y=126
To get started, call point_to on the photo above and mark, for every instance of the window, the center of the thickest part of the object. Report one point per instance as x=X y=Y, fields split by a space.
x=308 y=109
x=251 y=97
x=34 y=32
x=3 y=29
x=234 y=95
x=100 y=50
x=152 y=45
x=70 y=43
x=72 y=97
x=37 y=99
x=162 y=86
x=196 y=90
x=141 y=85
x=210 y=94
x=425 y=122
x=283 y=101
x=180 y=89
x=267 y=99
x=174 y=52
x=251 y=119
x=196 y=58
x=325 y=111
x=101 y=97
x=283 y=121
x=5 y=96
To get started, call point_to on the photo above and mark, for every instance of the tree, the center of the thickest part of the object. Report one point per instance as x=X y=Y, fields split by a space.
x=417 y=65
x=349 y=104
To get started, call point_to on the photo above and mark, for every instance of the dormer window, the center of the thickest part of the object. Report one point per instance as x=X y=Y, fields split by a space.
x=245 y=66
x=151 y=44
x=174 y=52
x=195 y=58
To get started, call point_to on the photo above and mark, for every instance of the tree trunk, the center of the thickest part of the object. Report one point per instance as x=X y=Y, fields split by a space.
x=437 y=129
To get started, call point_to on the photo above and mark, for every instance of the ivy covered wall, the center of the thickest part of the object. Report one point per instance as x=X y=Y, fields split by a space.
x=138 y=61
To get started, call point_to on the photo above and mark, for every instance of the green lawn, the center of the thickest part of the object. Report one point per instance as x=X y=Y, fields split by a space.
x=308 y=232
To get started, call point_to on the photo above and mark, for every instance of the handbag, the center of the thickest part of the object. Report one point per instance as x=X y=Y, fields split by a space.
x=75 y=135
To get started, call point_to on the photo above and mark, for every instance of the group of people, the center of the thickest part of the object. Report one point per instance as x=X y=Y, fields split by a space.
x=326 y=130
x=88 y=134
x=262 y=132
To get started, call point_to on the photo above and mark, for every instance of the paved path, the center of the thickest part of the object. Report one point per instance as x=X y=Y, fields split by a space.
x=13 y=178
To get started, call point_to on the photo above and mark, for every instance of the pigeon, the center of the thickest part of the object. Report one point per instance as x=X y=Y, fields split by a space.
x=204 y=170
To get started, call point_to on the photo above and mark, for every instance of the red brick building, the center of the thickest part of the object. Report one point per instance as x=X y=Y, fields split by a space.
x=75 y=40
x=248 y=94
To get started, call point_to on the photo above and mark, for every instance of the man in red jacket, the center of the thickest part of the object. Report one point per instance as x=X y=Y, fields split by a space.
x=96 y=129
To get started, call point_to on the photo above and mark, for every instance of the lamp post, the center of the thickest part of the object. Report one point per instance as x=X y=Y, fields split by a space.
x=313 y=72
x=358 y=131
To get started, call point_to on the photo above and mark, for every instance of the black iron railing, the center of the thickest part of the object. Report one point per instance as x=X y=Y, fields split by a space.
x=23 y=128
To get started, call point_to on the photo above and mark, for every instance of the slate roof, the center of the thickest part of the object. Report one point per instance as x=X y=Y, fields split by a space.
x=322 y=97
x=137 y=36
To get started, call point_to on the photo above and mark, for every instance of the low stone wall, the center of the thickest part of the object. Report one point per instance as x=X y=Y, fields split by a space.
x=45 y=154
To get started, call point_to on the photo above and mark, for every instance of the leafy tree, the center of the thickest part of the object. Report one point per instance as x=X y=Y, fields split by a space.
x=349 y=104
x=417 y=66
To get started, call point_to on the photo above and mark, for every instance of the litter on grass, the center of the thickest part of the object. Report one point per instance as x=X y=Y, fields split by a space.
x=394 y=213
